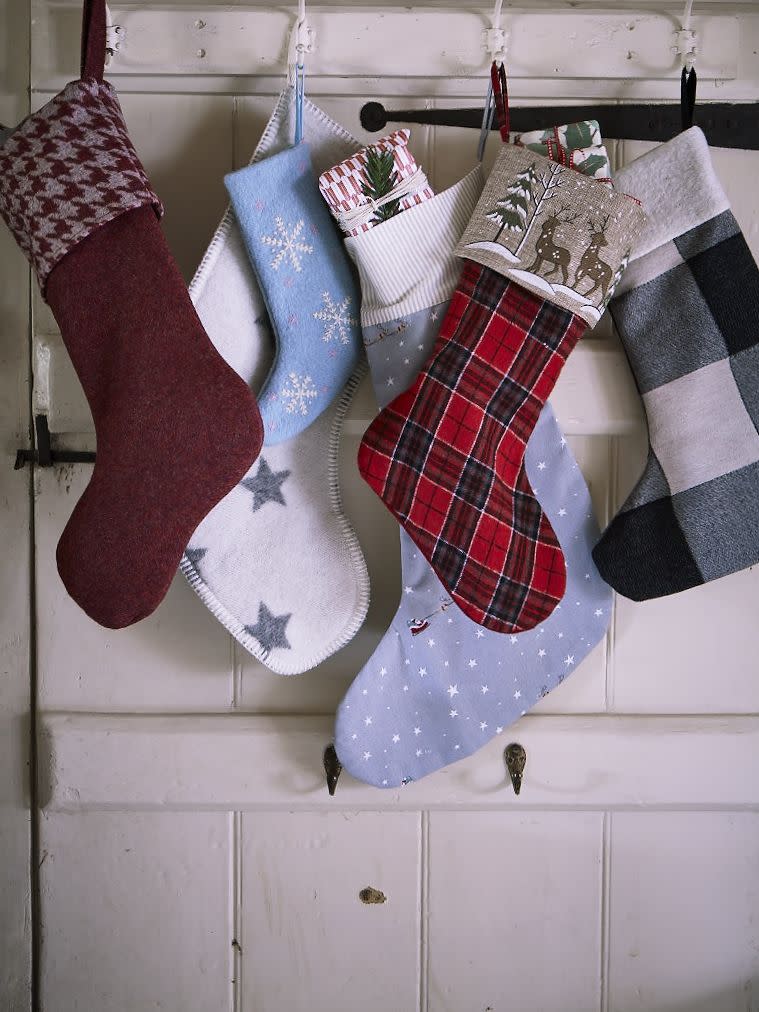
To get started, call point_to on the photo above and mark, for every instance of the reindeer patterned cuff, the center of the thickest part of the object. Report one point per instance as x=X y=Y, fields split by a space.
x=555 y=232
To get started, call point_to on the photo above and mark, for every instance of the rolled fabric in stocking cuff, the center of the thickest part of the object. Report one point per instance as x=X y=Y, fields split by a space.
x=400 y=266
x=576 y=145
x=40 y=162
x=677 y=185
x=553 y=231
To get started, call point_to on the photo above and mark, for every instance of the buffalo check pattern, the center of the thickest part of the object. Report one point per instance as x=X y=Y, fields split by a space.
x=447 y=456
x=687 y=314
x=69 y=168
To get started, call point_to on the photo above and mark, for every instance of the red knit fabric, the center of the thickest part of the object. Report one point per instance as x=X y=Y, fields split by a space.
x=447 y=456
x=176 y=427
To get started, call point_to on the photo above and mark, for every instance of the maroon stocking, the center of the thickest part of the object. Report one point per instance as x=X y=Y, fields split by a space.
x=176 y=427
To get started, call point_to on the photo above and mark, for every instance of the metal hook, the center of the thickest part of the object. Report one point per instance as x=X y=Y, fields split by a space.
x=333 y=768
x=114 y=36
x=302 y=40
x=686 y=39
x=515 y=757
x=495 y=38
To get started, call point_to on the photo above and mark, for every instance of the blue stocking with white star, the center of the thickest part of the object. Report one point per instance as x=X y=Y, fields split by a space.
x=306 y=280
x=439 y=686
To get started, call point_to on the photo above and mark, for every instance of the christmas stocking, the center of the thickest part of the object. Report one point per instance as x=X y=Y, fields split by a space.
x=439 y=686
x=307 y=283
x=277 y=561
x=176 y=428
x=547 y=246
x=687 y=313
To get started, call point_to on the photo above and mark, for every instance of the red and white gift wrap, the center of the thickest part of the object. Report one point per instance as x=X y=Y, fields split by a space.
x=342 y=185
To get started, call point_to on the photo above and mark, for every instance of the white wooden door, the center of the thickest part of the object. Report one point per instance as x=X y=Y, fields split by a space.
x=189 y=855
x=16 y=684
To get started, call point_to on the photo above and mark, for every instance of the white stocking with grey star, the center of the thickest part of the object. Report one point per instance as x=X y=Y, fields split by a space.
x=289 y=596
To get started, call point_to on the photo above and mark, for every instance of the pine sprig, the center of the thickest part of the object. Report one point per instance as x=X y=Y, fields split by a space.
x=380 y=177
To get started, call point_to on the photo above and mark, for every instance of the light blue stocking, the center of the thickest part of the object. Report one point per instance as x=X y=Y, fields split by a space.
x=439 y=686
x=308 y=286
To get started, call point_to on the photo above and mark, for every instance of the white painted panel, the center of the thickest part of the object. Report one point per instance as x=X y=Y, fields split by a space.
x=308 y=941
x=186 y=143
x=416 y=42
x=694 y=652
x=91 y=761
x=684 y=899
x=134 y=913
x=514 y=911
x=179 y=658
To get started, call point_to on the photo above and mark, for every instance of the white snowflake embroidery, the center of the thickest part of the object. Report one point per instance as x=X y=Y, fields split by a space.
x=288 y=244
x=299 y=393
x=337 y=322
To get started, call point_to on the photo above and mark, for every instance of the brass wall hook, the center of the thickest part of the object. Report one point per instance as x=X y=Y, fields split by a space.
x=515 y=757
x=332 y=768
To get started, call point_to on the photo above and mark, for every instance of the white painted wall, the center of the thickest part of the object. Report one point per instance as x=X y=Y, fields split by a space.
x=191 y=857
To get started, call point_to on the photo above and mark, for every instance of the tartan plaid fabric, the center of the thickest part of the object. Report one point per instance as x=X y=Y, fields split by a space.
x=687 y=314
x=447 y=456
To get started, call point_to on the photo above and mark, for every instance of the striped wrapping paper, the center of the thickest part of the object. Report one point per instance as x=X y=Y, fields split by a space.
x=341 y=186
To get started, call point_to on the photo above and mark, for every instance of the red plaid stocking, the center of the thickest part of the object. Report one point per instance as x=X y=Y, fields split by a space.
x=447 y=456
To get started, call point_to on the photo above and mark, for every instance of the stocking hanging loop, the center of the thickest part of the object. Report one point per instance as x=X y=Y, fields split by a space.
x=686 y=47
x=496 y=42
x=301 y=42
x=93 y=39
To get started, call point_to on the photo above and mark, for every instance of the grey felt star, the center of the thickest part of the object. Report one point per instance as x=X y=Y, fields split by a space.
x=269 y=630
x=194 y=555
x=266 y=485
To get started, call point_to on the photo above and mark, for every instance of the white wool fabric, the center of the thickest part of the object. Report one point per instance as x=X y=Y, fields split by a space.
x=276 y=561
x=676 y=199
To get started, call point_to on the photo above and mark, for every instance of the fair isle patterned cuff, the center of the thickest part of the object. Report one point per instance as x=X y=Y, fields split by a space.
x=677 y=186
x=406 y=264
x=68 y=169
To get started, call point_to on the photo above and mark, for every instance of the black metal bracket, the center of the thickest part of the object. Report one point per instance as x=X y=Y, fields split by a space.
x=43 y=455
x=726 y=124
x=332 y=769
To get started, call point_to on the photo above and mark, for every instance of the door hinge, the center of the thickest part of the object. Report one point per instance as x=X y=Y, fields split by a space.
x=43 y=455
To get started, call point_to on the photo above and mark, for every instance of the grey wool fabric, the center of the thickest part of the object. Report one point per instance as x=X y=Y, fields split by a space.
x=687 y=311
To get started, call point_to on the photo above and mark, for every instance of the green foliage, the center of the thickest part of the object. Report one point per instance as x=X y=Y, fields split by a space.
x=592 y=164
x=579 y=135
x=511 y=211
x=380 y=177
